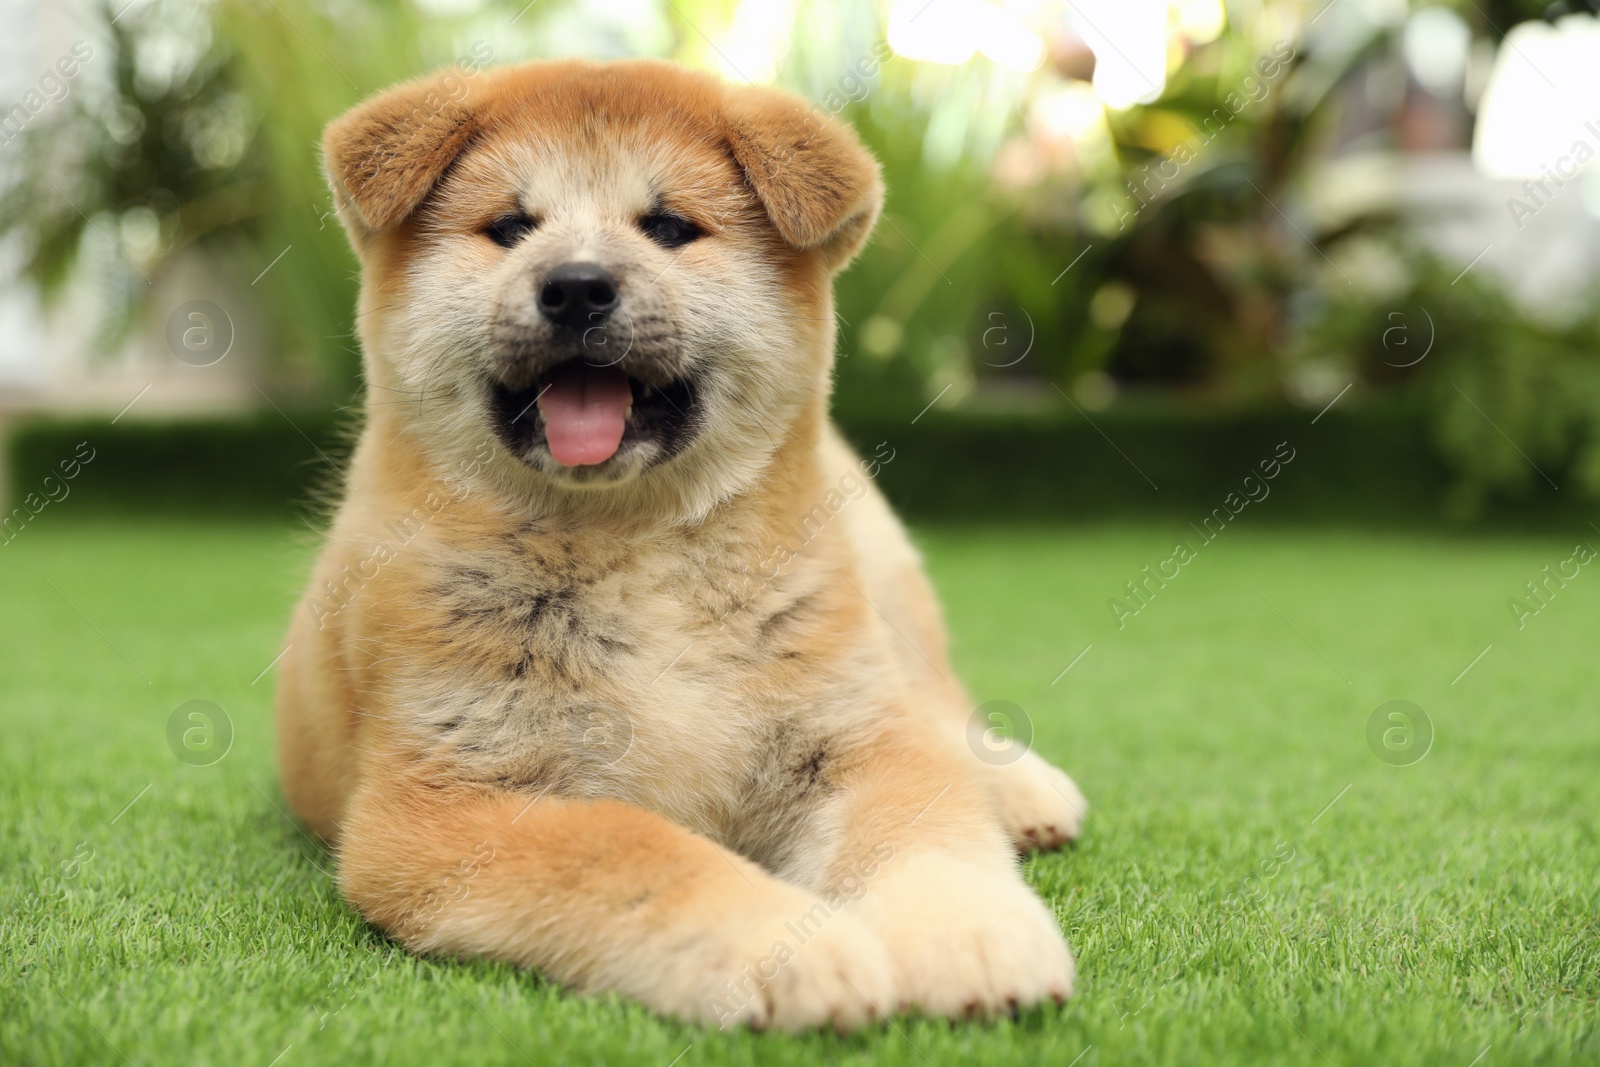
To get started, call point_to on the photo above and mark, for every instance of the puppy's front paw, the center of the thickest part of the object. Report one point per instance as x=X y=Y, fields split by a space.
x=1039 y=806
x=966 y=941
x=793 y=965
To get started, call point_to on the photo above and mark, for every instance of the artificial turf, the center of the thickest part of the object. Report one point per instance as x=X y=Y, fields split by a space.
x=1256 y=885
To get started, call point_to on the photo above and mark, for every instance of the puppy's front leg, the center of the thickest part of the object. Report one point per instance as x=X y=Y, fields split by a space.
x=600 y=896
x=934 y=875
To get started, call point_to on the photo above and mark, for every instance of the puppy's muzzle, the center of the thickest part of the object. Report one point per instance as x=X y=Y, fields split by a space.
x=583 y=373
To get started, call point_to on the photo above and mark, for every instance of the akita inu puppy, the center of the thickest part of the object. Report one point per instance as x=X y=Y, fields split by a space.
x=615 y=664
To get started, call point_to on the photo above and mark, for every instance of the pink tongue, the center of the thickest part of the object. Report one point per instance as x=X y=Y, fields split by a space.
x=583 y=409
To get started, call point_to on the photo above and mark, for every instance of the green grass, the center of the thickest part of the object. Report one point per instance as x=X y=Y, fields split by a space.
x=1432 y=912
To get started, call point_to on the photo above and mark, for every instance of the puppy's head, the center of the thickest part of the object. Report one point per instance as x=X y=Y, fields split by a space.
x=619 y=271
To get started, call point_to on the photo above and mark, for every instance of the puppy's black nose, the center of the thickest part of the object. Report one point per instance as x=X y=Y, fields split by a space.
x=578 y=295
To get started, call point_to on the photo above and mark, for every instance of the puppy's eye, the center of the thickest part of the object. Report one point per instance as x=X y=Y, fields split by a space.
x=669 y=231
x=507 y=230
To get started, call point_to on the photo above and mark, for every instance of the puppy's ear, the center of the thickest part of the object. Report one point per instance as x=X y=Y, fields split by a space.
x=821 y=188
x=384 y=156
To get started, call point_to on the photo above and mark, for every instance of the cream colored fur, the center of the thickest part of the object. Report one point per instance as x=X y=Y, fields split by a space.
x=683 y=727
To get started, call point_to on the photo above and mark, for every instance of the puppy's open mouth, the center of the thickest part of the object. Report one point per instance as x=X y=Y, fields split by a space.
x=585 y=415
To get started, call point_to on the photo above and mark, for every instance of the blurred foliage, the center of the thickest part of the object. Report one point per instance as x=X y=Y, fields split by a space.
x=1188 y=264
x=1514 y=403
x=160 y=155
x=1036 y=249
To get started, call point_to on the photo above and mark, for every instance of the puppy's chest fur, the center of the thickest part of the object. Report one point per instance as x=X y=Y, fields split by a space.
x=682 y=673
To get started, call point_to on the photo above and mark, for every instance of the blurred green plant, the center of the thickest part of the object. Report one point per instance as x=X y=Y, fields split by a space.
x=1513 y=402
x=1149 y=247
x=131 y=168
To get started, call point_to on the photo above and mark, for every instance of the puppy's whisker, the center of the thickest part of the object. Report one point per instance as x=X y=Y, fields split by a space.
x=392 y=389
x=373 y=311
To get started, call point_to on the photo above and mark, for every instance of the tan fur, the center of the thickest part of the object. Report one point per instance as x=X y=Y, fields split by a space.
x=679 y=726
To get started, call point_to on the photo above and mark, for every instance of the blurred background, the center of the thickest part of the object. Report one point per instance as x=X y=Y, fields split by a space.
x=1129 y=245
